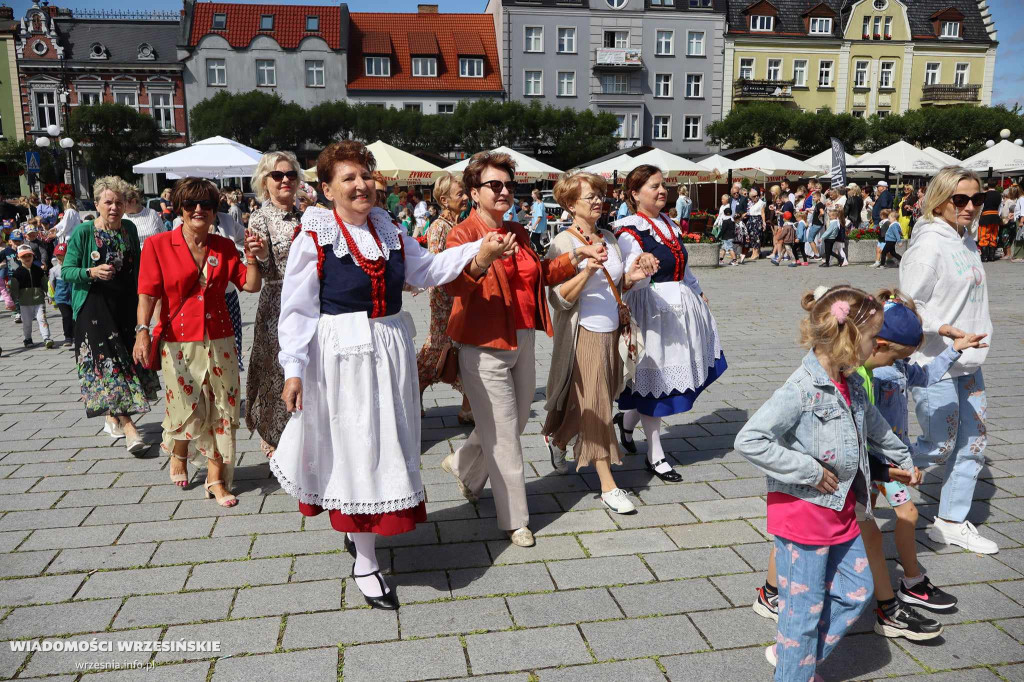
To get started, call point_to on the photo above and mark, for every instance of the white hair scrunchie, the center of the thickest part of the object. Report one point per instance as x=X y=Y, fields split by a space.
x=819 y=292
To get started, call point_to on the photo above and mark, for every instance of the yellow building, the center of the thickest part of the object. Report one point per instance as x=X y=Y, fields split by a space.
x=865 y=57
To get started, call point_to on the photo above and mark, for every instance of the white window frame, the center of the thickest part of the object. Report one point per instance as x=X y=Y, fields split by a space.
x=620 y=132
x=424 y=67
x=877 y=26
x=887 y=29
x=566 y=40
x=830 y=71
x=616 y=34
x=747 y=72
x=413 y=106
x=220 y=68
x=886 y=74
x=131 y=95
x=776 y=66
x=663 y=85
x=660 y=47
x=88 y=98
x=866 y=31
x=538 y=81
x=377 y=66
x=614 y=79
x=961 y=77
x=266 y=71
x=702 y=43
x=762 y=22
x=822 y=24
x=316 y=69
x=695 y=86
x=799 y=73
x=634 y=126
x=53 y=111
x=932 y=76
x=446 y=105
x=688 y=121
x=471 y=67
x=949 y=30
x=569 y=91
x=659 y=122
x=162 y=112
x=860 y=73
x=534 y=44
x=858 y=113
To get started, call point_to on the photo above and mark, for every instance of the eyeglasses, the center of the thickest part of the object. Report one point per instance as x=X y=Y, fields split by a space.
x=496 y=185
x=960 y=200
x=594 y=198
x=205 y=204
x=281 y=175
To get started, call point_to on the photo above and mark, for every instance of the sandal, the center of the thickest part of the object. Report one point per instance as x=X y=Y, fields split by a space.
x=180 y=480
x=226 y=501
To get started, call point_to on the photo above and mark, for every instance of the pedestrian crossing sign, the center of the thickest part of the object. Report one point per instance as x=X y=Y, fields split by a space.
x=32 y=164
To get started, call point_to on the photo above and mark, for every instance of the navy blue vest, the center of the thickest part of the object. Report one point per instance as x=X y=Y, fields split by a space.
x=666 y=259
x=345 y=288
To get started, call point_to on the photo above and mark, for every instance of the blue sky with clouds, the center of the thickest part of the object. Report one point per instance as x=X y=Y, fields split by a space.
x=1009 y=79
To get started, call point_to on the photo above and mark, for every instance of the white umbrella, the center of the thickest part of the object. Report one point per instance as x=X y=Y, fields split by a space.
x=214 y=157
x=777 y=166
x=823 y=160
x=397 y=165
x=673 y=167
x=1003 y=157
x=902 y=158
x=942 y=156
x=723 y=166
x=527 y=168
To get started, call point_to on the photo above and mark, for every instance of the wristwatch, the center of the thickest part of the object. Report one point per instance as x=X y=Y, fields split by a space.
x=141 y=327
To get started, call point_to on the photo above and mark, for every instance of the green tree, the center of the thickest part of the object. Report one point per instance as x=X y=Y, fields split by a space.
x=812 y=131
x=258 y=119
x=759 y=123
x=115 y=137
x=12 y=165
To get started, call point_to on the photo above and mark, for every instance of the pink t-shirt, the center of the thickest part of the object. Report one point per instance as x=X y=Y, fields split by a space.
x=811 y=524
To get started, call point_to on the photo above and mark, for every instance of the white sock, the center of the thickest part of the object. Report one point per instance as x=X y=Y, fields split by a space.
x=652 y=430
x=911 y=582
x=366 y=562
x=630 y=419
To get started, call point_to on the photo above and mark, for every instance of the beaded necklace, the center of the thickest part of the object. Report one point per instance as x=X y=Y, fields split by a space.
x=374 y=268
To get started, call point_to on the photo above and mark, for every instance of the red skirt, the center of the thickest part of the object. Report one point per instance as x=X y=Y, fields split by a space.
x=387 y=523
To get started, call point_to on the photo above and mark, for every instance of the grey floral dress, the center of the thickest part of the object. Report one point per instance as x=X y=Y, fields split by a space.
x=265 y=412
x=112 y=383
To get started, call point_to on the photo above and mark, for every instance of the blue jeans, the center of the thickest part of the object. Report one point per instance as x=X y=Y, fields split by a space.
x=822 y=593
x=952 y=417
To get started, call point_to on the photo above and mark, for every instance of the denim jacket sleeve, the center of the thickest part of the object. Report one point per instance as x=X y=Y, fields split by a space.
x=882 y=442
x=934 y=370
x=758 y=440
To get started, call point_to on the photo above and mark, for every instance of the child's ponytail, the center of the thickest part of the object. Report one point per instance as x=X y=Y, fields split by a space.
x=834 y=321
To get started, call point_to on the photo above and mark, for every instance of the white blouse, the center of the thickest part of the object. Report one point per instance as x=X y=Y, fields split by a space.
x=599 y=311
x=756 y=208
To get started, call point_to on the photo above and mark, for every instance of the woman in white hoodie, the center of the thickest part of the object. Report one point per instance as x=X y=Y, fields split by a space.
x=942 y=271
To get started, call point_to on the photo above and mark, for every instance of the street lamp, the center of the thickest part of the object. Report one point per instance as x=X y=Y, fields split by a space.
x=43 y=142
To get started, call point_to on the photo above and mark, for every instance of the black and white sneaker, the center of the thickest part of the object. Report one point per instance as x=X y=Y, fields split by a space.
x=898 y=620
x=766 y=604
x=926 y=595
x=558 y=462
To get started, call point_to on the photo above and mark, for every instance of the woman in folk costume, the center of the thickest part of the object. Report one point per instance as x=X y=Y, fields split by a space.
x=352 y=445
x=682 y=351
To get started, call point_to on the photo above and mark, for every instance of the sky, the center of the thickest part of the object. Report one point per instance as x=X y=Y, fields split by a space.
x=1008 y=88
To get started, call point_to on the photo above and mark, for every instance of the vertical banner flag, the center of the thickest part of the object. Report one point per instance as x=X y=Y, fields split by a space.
x=838 y=163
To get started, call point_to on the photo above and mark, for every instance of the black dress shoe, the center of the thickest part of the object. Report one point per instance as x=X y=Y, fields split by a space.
x=670 y=476
x=387 y=601
x=350 y=546
x=628 y=446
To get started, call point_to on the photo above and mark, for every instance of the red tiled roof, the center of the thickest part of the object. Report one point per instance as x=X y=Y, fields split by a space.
x=423 y=42
x=376 y=42
x=243 y=23
x=455 y=34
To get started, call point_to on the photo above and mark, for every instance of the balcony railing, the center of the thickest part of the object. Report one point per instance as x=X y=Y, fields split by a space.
x=749 y=88
x=618 y=58
x=950 y=93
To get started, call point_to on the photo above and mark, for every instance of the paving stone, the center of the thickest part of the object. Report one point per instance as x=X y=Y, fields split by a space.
x=341 y=627
x=570 y=522
x=1014 y=589
x=28 y=501
x=399 y=661
x=679 y=492
x=1014 y=673
x=557 y=608
x=316 y=664
x=182 y=608
x=117 y=556
x=194 y=551
x=476 y=582
x=718 y=510
x=526 y=649
x=960 y=567
x=306 y=542
x=626 y=542
x=618 y=570
x=59 y=619
x=470 y=530
x=75 y=482
x=61 y=538
x=324 y=566
x=739 y=588
x=410 y=587
x=646 y=637
x=51 y=469
x=320 y=595
x=257 y=523
x=437 y=557
x=546 y=548
x=138 y=581
x=25 y=563
x=970 y=645
x=1013 y=627
x=979 y=601
x=693 y=563
x=178 y=529
x=45 y=590
x=56 y=662
x=251 y=636
x=239 y=573
x=634 y=671
x=130 y=513
x=678 y=596
x=163 y=673
x=120 y=497
x=734 y=627
x=9 y=540
x=717 y=534
x=454 y=617
x=649 y=515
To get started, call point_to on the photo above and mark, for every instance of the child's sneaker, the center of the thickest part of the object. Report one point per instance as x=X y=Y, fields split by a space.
x=17 y=318
x=774 y=262
x=794 y=265
x=766 y=604
x=734 y=262
x=926 y=595
x=898 y=620
x=876 y=264
x=769 y=654
x=48 y=344
x=28 y=343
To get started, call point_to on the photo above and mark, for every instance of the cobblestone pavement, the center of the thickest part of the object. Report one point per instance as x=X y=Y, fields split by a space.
x=99 y=544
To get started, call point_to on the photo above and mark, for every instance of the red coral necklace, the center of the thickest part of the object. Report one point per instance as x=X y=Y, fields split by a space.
x=672 y=242
x=373 y=268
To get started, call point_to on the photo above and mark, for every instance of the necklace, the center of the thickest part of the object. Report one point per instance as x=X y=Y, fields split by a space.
x=672 y=242
x=373 y=268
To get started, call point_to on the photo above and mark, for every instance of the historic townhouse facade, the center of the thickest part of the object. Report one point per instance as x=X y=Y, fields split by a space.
x=12 y=121
x=295 y=51
x=425 y=61
x=655 y=64
x=865 y=57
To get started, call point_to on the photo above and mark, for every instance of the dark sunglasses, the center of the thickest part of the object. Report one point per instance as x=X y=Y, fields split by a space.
x=496 y=185
x=960 y=200
x=281 y=175
x=205 y=204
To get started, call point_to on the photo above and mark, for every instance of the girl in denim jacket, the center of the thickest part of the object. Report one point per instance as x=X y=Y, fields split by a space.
x=810 y=439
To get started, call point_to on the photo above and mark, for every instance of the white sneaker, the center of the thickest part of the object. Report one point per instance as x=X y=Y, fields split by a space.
x=617 y=500
x=113 y=430
x=876 y=264
x=769 y=654
x=962 y=534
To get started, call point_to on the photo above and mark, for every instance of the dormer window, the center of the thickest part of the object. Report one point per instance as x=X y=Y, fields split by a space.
x=312 y=24
x=266 y=22
x=146 y=52
x=220 y=21
x=377 y=66
x=762 y=22
x=821 y=26
x=950 y=29
x=97 y=51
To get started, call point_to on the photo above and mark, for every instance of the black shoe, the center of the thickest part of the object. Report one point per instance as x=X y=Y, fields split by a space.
x=28 y=343
x=926 y=595
x=388 y=601
x=670 y=476
x=630 y=445
x=350 y=546
x=823 y=265
x=902 y=621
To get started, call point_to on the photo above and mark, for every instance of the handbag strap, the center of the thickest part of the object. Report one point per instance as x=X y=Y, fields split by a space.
x=611 y=283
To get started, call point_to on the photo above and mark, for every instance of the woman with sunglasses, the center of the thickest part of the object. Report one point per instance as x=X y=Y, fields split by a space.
x=188 y=271
x=496 y=314
x=102 y=267
x=942 y=271
x=276 y=183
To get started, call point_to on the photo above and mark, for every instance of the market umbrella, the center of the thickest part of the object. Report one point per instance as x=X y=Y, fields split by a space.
x=902 y=158
x=673 y=167
x=777 y=166
x=214 y=157
x=723 y=165
x=527 y=168
x=942 y=156
x=396 y=165
x=1004 y=157
x=823 y=160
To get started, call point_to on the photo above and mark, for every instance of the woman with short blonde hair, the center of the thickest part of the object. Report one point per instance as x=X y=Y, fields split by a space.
x=270 y=164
